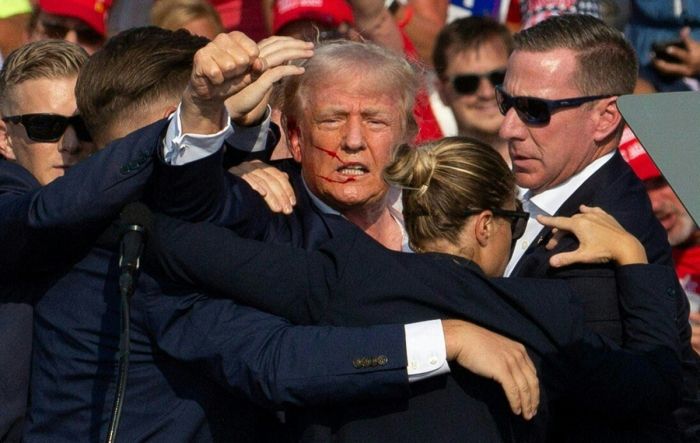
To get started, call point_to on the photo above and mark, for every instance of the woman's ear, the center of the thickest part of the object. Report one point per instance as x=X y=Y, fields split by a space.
x=484 y=227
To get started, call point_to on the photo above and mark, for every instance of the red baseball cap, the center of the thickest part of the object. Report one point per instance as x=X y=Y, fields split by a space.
x=92 y=12
x=633 y=152
x=330 y=12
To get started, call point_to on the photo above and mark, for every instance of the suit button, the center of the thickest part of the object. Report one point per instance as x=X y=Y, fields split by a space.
x=133 y=164
x=357 y=363
x=143 y=159
x=375 y=361
x=124 y=170
x=671 y=292
x=382 y=360
x=366 y=362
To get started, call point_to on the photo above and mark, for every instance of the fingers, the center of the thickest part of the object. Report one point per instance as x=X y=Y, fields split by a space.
x=525 y=378
x=672 y=68
x=519 y=380
x=269 y=182
x=280 y=50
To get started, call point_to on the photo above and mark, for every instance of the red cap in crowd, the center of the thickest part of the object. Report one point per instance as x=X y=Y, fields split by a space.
x=330 y=12
x=92 y=12
x=633 y=152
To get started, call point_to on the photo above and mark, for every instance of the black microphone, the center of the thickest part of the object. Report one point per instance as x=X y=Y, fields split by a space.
x=135 y=223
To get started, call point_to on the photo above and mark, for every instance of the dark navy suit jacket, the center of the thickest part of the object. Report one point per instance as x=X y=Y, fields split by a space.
x=617 y=190
x=352 y=280
x=186 y=348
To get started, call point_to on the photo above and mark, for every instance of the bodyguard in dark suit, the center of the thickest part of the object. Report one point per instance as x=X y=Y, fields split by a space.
x=563 y=128
x=352 y=280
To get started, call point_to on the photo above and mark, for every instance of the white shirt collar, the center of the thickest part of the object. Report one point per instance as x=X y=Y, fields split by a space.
x=551 y=200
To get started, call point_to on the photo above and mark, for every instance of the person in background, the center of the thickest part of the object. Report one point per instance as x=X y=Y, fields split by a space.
x=14 y=20
x=665 y=21
x=76 y=21
x=470 y=59
x=199 y=17
x=683 y=233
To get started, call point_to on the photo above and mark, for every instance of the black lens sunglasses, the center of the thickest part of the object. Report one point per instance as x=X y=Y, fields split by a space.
x=518 y=218
x=85 y=34
x=538 y=111
x=467 y=84
x=50 y=127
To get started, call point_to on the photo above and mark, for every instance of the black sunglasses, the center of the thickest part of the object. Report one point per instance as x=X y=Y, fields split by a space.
x=537 y=111
x=467 y=84
x=50 y=127
x=518 y=219
x=85 y=34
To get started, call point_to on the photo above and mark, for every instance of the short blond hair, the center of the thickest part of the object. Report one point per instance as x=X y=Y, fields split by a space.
x=51 y=59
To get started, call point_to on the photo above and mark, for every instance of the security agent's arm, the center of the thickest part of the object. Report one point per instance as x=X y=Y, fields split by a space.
x=297 y=284
x=42 y=226
x=643 y=378
x=274 y=363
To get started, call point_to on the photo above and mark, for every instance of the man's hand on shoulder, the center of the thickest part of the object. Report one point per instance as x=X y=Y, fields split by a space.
x=270 y=182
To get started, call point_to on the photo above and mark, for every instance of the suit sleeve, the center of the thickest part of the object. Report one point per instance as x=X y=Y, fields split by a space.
x=41 y=225
x=273 y=363
x=289 y=282
x=643 y=378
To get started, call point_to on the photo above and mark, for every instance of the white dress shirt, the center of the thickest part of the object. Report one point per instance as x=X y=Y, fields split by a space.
x=548 y=203
x=425 y=341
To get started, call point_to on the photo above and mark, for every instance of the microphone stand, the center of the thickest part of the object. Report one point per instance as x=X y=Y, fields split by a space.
x=127 y=286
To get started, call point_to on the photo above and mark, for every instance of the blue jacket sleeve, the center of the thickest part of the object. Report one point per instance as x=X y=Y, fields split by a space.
x=270 y=361
x=248 y=271
x=39 y=224
x=643 y=377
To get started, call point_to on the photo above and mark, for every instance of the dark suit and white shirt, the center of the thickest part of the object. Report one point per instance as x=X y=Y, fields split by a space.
x=608 y=183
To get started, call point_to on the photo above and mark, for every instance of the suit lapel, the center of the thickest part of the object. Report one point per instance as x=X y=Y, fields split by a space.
x=536 y=258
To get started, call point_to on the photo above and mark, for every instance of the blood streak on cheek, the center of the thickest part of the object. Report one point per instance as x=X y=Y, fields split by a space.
x=335 y=156
x=331 y=153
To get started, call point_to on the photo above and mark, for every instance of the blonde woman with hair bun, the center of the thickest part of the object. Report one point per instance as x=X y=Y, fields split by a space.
x=461 y=215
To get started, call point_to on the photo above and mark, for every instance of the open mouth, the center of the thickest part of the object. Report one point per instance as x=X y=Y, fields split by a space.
x=353 y=170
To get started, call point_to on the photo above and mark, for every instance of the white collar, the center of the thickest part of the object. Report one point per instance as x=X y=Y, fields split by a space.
x=551 y=200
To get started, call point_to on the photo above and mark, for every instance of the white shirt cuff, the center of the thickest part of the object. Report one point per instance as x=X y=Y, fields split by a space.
x=251 y=138
x=425 y=349
x=180 y=149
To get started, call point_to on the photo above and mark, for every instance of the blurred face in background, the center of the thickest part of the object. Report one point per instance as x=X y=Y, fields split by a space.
x=472 y=99
x=71 y=29
x=670 y=211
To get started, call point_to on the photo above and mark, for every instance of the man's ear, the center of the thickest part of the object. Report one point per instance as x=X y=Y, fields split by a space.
x=168 y=112
x=294 y=133
x=608 y=118
x=483 y=228
x=441 y=88
x=5 y=145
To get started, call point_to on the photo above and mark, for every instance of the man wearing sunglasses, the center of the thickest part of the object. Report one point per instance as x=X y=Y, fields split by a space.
x=562 y=127
x=470 y=58
x=76 y=21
